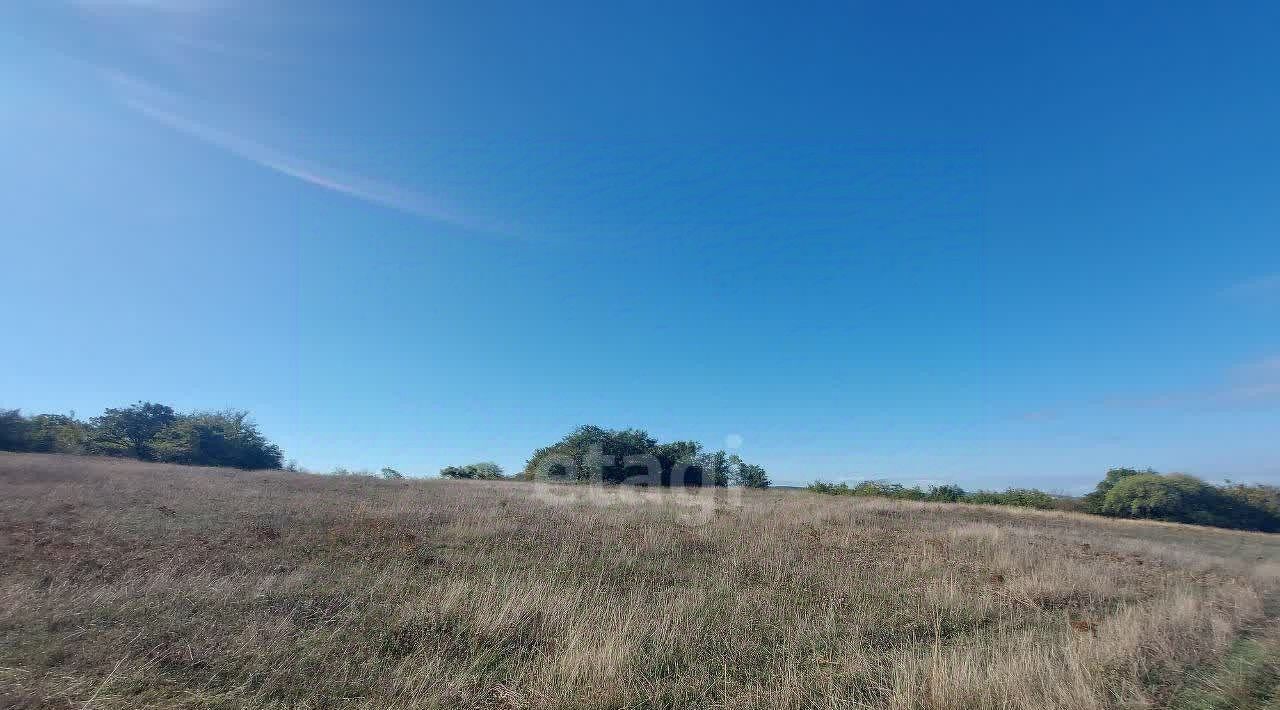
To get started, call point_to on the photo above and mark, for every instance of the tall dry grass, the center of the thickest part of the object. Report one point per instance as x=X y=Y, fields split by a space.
x=127 y=585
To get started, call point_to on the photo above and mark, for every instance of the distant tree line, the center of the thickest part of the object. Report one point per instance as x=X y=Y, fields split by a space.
x=155 y=432
x=148 y=432
x=1020 y=497
x=1123 y=493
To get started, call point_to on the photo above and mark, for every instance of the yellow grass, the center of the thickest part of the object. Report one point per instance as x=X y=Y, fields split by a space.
x=128 y=585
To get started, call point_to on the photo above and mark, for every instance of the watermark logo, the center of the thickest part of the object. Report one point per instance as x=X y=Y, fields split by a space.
x=689 y=487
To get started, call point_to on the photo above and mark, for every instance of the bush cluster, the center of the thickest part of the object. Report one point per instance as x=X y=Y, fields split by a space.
x=483 y=471
x=145 y=431
x=632 y=456
x=387 y=473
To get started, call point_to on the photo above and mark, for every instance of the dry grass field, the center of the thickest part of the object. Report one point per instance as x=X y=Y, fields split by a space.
x=128 y=585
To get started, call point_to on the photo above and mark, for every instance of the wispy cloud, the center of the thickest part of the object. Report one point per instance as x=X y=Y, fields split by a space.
x=191 y=36
x=365 y=189
x=183 y=42
x=199 y=43
x=1255 y=382
x=165 y=6
x=158 y=105
x=1260 y=289
x=1268 y=368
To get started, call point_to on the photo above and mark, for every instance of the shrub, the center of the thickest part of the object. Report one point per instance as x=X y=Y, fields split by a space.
x=830 y=488
x=947 y=493
x=484 y=470
x=228 y=438
x=1019 y=497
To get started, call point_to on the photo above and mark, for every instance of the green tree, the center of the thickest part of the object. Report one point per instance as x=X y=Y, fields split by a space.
x=715 y=468
x=57 y=433
x=1187 y=499
x=1150 y=495
x=633 y=456
x=128 y=431
x=147 y=431
x=946 y=493
x=227 y=438
x=1093 y=502
x=611 y=455
x=680 y=462
x=747 y=475
x=391 y=474
x=1261 y=496
x=176 y=443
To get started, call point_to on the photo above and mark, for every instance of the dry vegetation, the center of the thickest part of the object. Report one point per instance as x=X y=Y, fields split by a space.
x=127 y=585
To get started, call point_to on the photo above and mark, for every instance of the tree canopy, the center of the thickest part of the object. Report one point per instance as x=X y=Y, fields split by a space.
x=1093 y=501
x=633 y=456
x=1181 y=498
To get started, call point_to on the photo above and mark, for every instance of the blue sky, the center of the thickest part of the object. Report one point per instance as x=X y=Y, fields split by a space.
x=997 y=244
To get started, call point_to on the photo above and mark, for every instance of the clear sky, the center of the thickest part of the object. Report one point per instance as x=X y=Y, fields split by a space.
x=994 y=244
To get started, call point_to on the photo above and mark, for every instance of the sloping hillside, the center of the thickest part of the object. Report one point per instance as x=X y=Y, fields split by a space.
x=126 y=585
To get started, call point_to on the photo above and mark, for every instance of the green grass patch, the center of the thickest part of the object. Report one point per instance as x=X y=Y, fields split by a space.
x=1248 y=678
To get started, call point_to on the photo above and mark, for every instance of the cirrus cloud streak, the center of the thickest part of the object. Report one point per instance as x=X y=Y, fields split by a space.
x=160 y=106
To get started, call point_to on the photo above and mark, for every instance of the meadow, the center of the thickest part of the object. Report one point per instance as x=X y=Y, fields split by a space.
x=133 y=585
